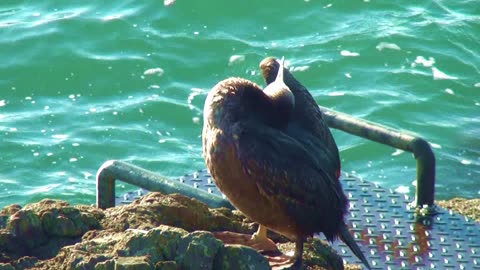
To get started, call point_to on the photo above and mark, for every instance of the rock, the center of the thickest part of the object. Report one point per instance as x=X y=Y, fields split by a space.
x=6 y=266
x=62 y=220
x=158 y=231
x=26 y=230
x=6 y=212
x=228 y=257
x=40 y=229
x=159 y=243
x=166 y=265
x=105 y=265
x=25 y=262
x=317 y=252
x=133 y=263
x=197 y=250
x=175 y=210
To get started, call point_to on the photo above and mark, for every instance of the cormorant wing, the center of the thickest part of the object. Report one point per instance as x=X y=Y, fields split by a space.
x=289 y=174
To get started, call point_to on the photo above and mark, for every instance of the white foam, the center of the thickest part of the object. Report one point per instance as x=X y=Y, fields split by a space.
x=477 y=84
x=425 y=62
x=386 y=45
x=236 y=59
x=42 y=189
x=449 y=91
x=3 y=103
x=439 y=75
x=112 y=17
x=60 y=136
x=300 y=68
x=434 y=145
x=195 y=92
x=349 y=53
x=154 y=71
x=466 y=162
x=336 y=94
x=168 y=2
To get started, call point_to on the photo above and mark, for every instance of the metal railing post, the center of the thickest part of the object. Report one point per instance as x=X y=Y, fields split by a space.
x=421 y=149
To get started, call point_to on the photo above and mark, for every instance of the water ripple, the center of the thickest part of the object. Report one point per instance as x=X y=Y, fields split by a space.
x=75 y=91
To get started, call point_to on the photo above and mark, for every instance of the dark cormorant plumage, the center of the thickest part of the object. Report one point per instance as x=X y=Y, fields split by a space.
x=272 y=155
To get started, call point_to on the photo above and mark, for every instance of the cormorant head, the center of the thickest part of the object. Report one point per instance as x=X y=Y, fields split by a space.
x=269 y=67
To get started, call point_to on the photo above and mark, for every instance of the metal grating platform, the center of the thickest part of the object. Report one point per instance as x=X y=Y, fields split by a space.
x=385 y=228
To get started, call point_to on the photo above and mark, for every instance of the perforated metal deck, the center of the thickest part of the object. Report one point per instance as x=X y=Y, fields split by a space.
x=385 y=228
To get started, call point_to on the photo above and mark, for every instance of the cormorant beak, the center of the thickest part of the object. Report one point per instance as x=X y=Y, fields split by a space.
x=279 y=78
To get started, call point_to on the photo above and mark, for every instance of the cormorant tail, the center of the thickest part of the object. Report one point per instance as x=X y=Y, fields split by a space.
x=348 y=239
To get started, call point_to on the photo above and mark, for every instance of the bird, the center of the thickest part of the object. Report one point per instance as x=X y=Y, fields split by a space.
x=271 y=163
x=307 y=116
x=308 y=126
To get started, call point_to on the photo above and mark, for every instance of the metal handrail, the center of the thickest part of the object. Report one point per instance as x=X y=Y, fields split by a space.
x=113 y=169
x=421 y=149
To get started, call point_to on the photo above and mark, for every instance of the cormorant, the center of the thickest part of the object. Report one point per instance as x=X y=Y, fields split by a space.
x=272 y=155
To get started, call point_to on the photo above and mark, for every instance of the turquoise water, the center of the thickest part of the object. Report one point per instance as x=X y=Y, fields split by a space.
x=82 y=82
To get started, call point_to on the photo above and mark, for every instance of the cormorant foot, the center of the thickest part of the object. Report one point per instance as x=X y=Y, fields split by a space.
x=266 y=247
x=262 y=245
x=285 y=262
x=260 y=234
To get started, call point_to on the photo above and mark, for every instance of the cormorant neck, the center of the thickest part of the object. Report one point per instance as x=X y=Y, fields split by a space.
x=281 y=96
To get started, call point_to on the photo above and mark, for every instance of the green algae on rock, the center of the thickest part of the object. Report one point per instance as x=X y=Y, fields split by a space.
x=225 y=258
x=197 y=250
x=40 y=229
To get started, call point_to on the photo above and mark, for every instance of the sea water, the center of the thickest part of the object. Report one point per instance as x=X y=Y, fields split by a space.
x=84 y=82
